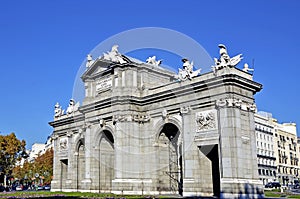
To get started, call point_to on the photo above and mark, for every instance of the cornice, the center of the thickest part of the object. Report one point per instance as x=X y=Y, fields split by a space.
x=66 y=120
x=177 y=89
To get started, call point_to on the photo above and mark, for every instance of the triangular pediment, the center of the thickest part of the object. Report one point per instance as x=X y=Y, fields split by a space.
x=102 y=65
x=98 y=66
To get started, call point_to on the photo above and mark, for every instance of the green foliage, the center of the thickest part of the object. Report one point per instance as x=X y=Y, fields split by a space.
x=11 y=150
x=48 y=194
x=276 y=193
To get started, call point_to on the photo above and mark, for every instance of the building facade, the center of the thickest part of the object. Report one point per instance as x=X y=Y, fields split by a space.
x=266 y=159
x=36 y=150
x=278 y=150
x=142 y=129
x=287 y=152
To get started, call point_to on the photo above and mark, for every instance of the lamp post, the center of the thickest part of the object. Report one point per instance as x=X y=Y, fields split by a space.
x=7 y=156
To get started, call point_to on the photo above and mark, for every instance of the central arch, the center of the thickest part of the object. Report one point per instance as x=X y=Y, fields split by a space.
x=169 y=159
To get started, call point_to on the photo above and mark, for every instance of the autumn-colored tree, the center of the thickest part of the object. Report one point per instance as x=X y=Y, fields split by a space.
x=43 y=165
x=20 y=172
x=11 y=150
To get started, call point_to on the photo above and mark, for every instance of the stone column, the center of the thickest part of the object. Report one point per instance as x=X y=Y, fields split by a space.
x=56 y=183
x=238 y=172
x=88 y=148
x=196 y=166
x=187 y=136
x=69 y=181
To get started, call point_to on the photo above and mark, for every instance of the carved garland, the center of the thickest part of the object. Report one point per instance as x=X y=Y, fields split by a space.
x=238 y=103
x=140 y=118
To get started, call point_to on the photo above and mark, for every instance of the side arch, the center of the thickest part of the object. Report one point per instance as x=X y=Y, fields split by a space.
x=99 y=133
x=169 y=156
x=80 y=162
x=160 y=125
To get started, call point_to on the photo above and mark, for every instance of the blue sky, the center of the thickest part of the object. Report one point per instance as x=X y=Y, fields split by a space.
x=43 y=43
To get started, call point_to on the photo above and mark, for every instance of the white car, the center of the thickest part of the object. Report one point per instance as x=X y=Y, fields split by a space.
x=19 y=188
x=47 y=187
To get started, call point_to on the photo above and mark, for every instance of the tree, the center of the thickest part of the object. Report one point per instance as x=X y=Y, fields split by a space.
x=43 y=165
x=22 y=171
x=11 y=150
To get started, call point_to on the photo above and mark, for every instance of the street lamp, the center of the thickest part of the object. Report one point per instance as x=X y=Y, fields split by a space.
x=7 y=156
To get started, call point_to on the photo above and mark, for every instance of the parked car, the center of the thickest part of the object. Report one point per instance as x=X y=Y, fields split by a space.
x=47 y=187
x=268 y=185
x=273 y=185
x=296 y=186
x=19 y=188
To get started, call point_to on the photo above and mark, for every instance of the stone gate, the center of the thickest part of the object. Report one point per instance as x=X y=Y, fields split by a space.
x=142 y=129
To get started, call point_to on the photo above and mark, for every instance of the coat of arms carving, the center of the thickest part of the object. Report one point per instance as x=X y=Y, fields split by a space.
x=63 y=144
x=206 y=120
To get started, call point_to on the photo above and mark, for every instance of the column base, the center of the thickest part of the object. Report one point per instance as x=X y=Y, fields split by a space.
x=132 y=186
x=236 y=188
x=86 y=184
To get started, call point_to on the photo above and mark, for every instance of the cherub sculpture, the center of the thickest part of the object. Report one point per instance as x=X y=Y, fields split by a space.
x=247 y=69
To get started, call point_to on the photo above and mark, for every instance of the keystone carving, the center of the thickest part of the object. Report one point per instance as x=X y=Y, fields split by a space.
x=165 y=114
x=185 y=110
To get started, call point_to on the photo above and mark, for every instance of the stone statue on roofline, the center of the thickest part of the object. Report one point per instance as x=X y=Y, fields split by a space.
x=152 y=60
x=187 y=72
x=72 y=107
x=225 y=60
x=58 y=111
x=114 y=55
x=89 y=60
x=247 y=69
